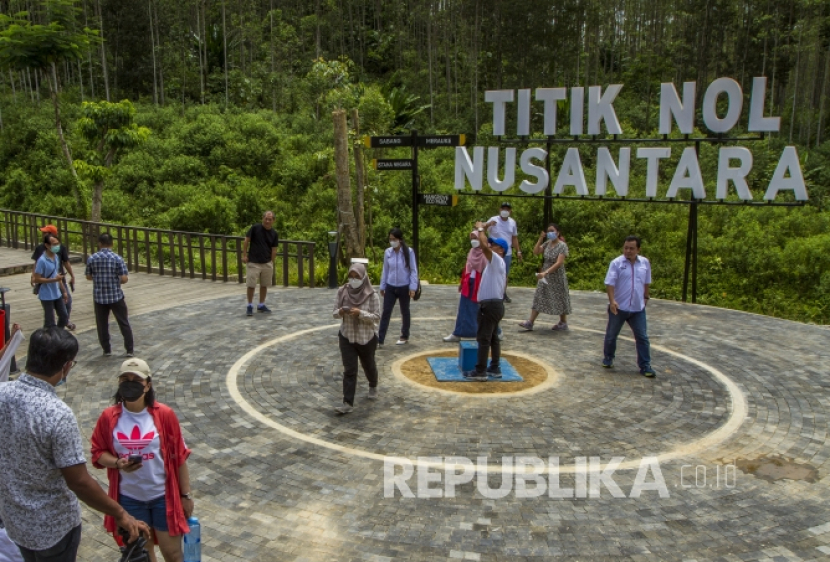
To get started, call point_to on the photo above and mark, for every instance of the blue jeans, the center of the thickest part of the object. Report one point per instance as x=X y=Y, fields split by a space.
x=637 y=321
x=390 y=296
x=153 y=512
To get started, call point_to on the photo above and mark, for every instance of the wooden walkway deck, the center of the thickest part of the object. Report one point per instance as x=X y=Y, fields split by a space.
x=144 y=293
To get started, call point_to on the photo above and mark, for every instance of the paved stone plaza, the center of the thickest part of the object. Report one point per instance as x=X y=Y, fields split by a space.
x=278 y=476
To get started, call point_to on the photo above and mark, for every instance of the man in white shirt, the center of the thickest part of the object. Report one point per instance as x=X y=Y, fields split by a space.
x=490 y=306
x=503 y=227
x=627 y=284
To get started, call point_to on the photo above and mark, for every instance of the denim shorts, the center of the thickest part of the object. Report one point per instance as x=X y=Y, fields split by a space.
x=153 y=512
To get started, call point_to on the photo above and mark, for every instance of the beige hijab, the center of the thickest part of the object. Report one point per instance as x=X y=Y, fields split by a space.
x=354 y=298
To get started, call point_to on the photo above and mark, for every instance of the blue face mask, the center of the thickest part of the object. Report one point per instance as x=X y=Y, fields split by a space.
x=552 y=235
x=61 y=382
x=56 y=248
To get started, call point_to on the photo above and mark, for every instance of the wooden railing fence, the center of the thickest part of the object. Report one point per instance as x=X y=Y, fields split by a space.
x=165 y=252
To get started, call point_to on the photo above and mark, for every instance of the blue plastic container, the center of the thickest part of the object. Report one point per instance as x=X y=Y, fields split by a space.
x=467 y=355
x=193 y=541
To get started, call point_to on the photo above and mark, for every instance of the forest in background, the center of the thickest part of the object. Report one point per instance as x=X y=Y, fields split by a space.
x=232 y=115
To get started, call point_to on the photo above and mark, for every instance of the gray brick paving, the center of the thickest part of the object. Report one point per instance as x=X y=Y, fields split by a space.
x=263 y=495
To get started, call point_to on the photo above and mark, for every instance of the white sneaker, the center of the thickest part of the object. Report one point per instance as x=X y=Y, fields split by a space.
x=373 y=393
x=343 y=409
x=401 y=342
x=452 y=338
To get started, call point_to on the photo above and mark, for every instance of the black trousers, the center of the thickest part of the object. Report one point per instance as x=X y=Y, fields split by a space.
x=490 y=314
x=49 y=310
x=351 y=353
x=390 y=297
x=102 y=321
x=66 y=550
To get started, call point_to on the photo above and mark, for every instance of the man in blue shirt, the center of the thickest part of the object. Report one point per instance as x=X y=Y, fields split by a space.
x=627 y=283
x=108 y=272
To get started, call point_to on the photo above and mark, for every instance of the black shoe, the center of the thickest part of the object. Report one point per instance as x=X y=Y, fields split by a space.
x=475 y=376
x=494 y=372
x=507 y=299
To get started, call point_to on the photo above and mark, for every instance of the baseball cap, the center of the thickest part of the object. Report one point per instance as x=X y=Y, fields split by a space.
x=50 y=228
x=507 y=204
x=500 y=241
x=135 y=366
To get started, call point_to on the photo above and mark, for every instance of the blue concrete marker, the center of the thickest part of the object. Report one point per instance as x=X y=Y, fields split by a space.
x=446 y=370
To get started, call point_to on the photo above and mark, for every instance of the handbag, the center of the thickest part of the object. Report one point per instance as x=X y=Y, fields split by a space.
x=417 y=292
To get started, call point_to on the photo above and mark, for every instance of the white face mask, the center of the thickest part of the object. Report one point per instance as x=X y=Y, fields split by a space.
x=394 y=243
x=475 y=243
x=355 y=283
x=505 y=214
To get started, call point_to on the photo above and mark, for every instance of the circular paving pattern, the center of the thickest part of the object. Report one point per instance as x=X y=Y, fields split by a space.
x=729 y=386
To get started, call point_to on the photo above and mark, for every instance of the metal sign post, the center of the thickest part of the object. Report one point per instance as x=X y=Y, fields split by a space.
x=415 y=142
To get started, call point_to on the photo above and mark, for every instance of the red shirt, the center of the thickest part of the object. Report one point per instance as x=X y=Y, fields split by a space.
x=174 y=452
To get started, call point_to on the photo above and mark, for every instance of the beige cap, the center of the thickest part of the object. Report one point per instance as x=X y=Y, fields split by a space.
x=135 y=366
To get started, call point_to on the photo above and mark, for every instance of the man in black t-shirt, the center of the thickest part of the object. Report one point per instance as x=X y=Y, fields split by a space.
x=259 y=251
x=63 y=254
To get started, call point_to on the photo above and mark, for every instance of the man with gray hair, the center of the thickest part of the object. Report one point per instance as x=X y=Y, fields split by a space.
x=258 y=252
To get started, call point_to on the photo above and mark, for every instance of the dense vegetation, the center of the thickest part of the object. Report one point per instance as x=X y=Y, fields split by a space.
x=237 y=97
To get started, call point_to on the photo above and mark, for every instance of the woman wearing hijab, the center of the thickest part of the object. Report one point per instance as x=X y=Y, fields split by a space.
x=359 y=307
x=466 y=322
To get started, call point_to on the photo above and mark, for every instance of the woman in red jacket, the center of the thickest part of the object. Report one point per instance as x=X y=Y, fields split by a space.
x=139 y=442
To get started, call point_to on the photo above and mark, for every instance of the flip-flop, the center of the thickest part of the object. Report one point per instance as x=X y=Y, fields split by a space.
x=526 y=326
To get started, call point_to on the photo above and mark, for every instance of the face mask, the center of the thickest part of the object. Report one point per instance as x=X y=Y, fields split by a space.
x=61 y=382
x=56 y=249
x=355 y=283
x=505 y=214
x=552 y=235
x=475 y=243
x=131 y=390
x=394 y=243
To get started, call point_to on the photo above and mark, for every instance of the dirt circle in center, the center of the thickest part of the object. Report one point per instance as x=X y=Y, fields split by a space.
x=417 y=370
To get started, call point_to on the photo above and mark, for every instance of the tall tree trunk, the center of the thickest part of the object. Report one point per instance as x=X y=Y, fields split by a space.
x=97 y=201
x=429 y=57
x=359 y=174
x=53 y=91
x=345 y=208
x=89 y=56
x=14 y=92
x=153 y=53
x=202 y=39
x=225 y=52
x=155 y=14
x=271 y=48
x=103 y=51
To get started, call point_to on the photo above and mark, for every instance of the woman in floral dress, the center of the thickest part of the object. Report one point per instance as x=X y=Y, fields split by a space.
x=552 y=286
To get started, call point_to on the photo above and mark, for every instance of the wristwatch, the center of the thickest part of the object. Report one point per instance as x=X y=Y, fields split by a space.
x=187 y=496
x=480 y=229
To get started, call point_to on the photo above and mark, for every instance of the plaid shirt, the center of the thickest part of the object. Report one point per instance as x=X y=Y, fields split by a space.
x=106 y=268
x=362 y=329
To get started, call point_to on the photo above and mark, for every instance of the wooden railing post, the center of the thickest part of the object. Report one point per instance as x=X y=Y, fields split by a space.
x=22 y=231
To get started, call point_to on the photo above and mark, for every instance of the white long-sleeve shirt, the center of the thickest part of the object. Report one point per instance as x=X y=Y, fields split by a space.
x=395 y=272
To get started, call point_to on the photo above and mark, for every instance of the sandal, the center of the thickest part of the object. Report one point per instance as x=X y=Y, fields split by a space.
x=527 y=326
x=560 y=326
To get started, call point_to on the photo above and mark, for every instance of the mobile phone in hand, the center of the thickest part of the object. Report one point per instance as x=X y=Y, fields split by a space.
x=134 y=459
x=346 y=309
